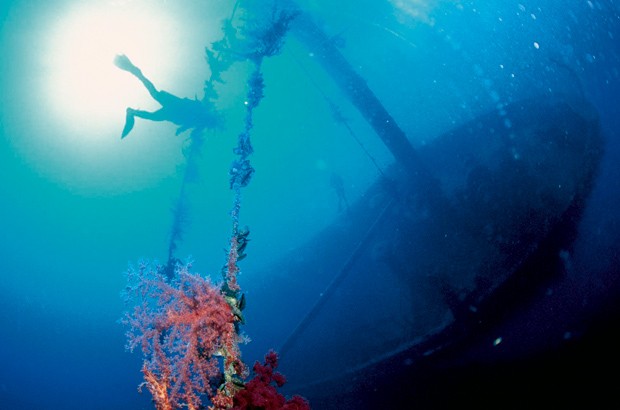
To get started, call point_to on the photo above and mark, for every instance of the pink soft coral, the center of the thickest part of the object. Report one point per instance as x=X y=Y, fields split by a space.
x=186 y=329
x=182 y=327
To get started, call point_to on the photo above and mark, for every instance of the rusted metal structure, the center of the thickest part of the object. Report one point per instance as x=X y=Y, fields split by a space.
x=454 y=234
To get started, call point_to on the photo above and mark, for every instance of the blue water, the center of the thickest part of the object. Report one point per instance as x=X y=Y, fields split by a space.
x=78 y=204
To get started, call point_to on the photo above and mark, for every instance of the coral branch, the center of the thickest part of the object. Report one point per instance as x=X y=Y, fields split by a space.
x=158 y=386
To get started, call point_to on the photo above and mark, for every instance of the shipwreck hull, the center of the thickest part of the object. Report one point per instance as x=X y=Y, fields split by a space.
x=399 y=280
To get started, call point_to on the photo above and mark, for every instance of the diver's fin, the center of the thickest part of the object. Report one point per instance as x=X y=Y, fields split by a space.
x=129 y=122
x=123 y=62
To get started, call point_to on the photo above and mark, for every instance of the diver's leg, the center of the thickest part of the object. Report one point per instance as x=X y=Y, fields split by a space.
x=147 y=115
x=158 y=115
x=123 y=62
x=149 y=86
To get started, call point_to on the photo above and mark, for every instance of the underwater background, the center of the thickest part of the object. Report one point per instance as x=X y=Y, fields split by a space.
x=78 y=204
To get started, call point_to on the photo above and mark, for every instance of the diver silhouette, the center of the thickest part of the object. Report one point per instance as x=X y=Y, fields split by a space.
x=185 y=112
x=338 y=185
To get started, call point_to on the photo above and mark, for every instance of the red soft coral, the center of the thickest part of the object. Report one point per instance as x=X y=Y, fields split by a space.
x=260 y=393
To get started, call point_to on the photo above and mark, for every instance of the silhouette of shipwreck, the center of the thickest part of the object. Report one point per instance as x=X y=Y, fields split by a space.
x=451 y=236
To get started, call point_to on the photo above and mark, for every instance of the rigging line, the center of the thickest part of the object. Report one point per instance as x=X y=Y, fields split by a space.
x=179 y=211
x=336 y=111
x=336 y=281
x=337 y=115
x=394 y=33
